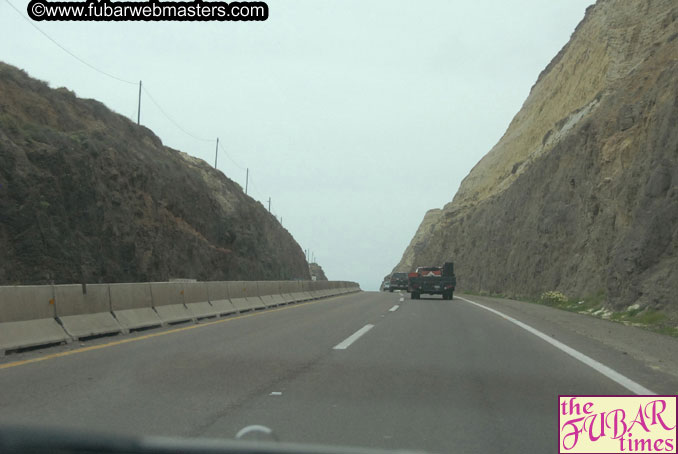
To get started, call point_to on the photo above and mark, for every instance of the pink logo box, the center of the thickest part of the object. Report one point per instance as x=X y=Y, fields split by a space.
x=617 y=424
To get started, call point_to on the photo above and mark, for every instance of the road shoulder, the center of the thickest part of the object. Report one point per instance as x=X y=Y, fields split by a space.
x=650 y=358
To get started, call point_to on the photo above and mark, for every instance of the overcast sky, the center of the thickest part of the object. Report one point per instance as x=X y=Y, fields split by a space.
x=355 y=117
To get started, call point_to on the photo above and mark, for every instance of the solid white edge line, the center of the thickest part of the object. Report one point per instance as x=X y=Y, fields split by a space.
x=394 y=308
x=602 y=368
x=353 y=337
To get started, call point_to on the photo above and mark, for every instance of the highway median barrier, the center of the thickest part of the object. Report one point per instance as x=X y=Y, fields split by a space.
x=332 y=289
x=351 y=287
x=251 y=289
x=309 y=288
x=41 y=315
x=196 y=299
x=325 y=289
x=238 y=293
x=269 y=292
x=217 y=293
x=168 y=302
x=85 y=310
x=344 y=287
x=340 y=287
x=132 y=306
x=28 y=317
x=287 y=289
x=316 y=289
x=300 y=294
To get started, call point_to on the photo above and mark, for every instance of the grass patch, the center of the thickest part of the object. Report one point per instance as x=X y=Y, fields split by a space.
x=594 y=305
x=639 y=316
x=650 y=319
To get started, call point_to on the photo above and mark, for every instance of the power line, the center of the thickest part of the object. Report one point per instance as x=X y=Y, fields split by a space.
x=119 y=79
x=252 y=187
x=231 y=159
x=172 y=120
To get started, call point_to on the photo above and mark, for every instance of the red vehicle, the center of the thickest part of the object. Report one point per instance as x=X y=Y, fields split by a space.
x=432 y=280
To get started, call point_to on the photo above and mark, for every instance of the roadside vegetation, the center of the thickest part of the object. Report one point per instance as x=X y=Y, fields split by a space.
x=594 y=305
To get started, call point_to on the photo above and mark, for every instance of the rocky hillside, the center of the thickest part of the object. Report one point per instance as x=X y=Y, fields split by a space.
x=88 y=196
x=581 y=193
x=317 y=272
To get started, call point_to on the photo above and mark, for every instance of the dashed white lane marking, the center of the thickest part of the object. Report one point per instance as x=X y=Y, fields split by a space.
x=276 y=393
x=603 y=369
x=402 y=298
x=353 y=337
x=394 y=308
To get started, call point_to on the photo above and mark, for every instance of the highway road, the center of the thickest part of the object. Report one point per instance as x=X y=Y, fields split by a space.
x=365 y=369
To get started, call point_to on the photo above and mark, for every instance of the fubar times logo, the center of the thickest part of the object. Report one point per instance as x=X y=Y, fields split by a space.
x=617 y=424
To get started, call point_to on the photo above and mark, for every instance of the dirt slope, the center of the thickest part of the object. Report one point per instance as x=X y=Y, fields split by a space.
x=88 y=196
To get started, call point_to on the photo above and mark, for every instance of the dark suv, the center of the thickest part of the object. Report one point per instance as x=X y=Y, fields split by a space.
x=398 y=282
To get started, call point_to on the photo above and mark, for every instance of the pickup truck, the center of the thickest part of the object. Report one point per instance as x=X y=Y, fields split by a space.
x=432 y=280
x=399 y=281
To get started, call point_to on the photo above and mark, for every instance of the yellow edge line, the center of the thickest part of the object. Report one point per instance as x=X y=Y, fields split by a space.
x=149 y=336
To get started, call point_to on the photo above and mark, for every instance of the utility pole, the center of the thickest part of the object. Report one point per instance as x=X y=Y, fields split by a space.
x=269 y=204
x=247 y=180
x=216 y=154
x=139 y=105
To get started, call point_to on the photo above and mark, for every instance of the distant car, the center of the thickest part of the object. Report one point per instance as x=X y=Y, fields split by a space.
x=387 y=286
x=398 y=281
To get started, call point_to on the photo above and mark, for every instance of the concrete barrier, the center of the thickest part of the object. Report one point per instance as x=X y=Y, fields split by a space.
x=325 y=289
x=132 y=306
x=343 y=287
x=218 y=297
x=27 y=317
x=30 y=315
x=337 y=288
x=85 y=311
x=252 y=294
x=196 y=299
x=331 y=289
x=287 y=290
x=243 y=295
x=309 y=287
x=269 y=292
x=348 y=287
x=314 y=289
x=299 y=294
x=168 y=302
x=306 y=289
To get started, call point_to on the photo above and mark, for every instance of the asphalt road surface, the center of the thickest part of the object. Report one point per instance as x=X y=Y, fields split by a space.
x=365 y=369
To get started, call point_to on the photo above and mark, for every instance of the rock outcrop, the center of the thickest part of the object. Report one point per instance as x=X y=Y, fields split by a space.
x=581 y=193
x=88 y=196
x=317 y=272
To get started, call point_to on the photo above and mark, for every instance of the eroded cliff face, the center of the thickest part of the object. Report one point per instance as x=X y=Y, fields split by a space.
x=420 y=242
x=88 y=196
x=581 y=192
